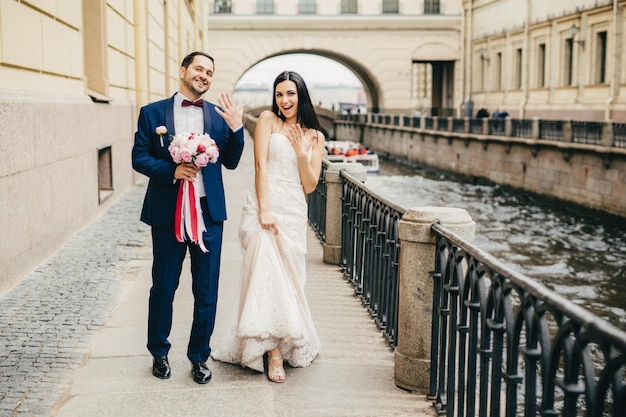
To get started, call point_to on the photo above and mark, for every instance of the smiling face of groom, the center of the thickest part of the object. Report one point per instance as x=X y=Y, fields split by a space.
x=196 y=78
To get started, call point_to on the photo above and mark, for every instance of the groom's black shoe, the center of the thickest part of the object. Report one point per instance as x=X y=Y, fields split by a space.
x=161 y=367
x=200 y=372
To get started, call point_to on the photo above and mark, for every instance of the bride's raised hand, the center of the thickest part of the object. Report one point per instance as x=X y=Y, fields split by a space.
x=298 y=139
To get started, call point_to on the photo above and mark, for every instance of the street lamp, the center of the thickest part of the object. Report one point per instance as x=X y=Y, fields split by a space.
x=573 y=31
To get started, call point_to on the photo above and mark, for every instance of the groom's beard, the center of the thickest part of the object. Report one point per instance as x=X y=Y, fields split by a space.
x=198 y=87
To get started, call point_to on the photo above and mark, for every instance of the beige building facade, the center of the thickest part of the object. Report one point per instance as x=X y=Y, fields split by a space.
x=73 y=74
x=405 y=53
x=551 y=59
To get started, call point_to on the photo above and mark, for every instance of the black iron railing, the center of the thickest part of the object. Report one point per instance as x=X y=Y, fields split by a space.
x=587 y=132
x=496 y=126
x=370 y=252
x=521 y=128
x=458 y=125
x=619 y=135
x=503 y=344
x=476 y=126
x=442 y=124
x=317 y=205
x=551 y=129
x=584 y=132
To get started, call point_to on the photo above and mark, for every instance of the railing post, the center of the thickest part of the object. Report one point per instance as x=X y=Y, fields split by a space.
x=415 y=294
x=334 y=191
x=508 y=127
x=568 y=134
x=534 y=130
x=608 y=136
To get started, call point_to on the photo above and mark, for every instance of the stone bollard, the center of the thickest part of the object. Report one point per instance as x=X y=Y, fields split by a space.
x=415 y=301
x=334 y=191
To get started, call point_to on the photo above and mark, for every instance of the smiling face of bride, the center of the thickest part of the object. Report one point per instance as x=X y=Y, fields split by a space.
x=286 y=96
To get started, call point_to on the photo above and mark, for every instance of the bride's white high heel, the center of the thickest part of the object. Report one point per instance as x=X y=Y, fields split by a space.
x=275 y=373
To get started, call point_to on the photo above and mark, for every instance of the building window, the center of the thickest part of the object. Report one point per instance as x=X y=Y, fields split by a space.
x=265 y=7
x=498 y=80
x=518 y=68
x=541 y=65
x=105 y=174
x=568 y=61
x=391 y=6
x=222 y=6
x=307 y=7
x=349 y=7
x=431 y=7
x=601 y=58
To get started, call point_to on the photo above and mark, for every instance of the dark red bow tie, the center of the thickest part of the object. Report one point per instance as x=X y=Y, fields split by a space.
x=197 y=103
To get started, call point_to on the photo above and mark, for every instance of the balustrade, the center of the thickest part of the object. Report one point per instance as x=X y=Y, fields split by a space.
x=478 y=337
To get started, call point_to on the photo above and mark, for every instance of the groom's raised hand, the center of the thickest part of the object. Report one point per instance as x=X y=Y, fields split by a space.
x=232 y=113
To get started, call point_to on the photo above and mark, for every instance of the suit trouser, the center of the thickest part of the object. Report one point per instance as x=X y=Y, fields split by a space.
x=169 y=255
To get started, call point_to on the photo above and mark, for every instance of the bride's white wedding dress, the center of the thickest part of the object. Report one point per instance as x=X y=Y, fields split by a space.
x=273 y=310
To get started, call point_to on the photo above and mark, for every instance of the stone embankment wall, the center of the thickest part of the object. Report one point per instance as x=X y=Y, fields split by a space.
x=64 y=160
x=587 y=175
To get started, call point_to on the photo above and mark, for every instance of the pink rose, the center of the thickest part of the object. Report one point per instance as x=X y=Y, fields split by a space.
x=185 y=155
x=202 y=160
x=213 y=154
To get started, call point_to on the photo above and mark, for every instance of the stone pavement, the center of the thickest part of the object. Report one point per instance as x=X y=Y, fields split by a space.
x=72 y=335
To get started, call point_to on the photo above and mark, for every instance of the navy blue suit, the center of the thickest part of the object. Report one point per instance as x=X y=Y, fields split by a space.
x=151 y=157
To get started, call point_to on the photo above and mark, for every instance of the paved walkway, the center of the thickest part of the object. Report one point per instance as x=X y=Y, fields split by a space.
x=72 y=335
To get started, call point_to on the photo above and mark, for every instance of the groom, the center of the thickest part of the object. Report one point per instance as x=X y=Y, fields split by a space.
x=185 y=111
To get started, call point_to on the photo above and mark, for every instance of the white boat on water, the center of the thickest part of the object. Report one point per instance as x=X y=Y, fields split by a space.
x=348 y=151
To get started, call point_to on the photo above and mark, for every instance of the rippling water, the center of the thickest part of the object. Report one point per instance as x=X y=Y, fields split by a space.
x=576 y=252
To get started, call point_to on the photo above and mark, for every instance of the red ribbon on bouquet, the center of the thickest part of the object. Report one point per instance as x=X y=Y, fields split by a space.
x=188 y=216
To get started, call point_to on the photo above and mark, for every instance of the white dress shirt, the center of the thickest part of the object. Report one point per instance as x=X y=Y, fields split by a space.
x=190 y=119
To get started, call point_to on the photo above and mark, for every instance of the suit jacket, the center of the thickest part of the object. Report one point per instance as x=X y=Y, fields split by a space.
x=152 y=159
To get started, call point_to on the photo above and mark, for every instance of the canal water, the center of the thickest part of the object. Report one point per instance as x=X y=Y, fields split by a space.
x=579 y=253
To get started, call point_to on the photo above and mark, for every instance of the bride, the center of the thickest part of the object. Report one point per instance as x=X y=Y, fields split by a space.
x=273 y=322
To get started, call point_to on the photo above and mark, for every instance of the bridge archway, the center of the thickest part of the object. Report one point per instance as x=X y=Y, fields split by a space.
x=378 y=51
x=372 y=91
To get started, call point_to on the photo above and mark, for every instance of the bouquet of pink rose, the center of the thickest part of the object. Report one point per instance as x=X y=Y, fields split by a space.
x=193 y=148
x=199 y=150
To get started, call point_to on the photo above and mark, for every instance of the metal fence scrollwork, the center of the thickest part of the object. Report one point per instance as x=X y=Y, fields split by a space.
x=317 y=205
x=504 y=344
x=371 y=251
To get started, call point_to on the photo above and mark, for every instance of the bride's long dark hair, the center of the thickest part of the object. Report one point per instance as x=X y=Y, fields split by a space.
x=306 y=112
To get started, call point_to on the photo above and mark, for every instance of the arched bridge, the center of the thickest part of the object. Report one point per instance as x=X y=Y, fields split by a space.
x=399 y=59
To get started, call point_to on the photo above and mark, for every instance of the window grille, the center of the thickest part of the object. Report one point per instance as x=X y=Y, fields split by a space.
x=265 y=7
x=391 y=6
x=349 y=7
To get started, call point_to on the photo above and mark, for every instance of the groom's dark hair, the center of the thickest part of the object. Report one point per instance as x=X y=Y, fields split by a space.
x=189 y=59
